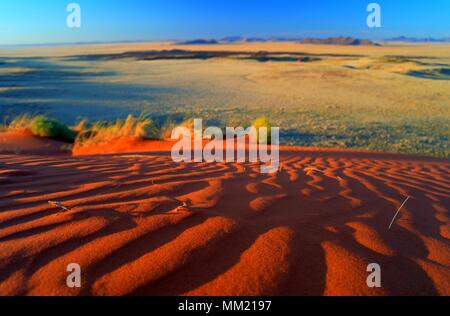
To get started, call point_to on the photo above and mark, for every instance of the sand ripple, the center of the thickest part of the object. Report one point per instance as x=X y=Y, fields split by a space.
x=240 y=233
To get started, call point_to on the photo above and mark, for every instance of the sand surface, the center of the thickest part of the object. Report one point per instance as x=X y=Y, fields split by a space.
x=242 y=233
x=23 y=142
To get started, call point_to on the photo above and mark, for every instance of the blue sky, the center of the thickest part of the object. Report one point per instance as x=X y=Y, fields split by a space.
x=44 y=21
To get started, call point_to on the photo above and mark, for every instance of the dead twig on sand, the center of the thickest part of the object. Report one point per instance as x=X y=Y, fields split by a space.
x=60 y=205
x=311 y=169
x=183 y=208
x=398 y=211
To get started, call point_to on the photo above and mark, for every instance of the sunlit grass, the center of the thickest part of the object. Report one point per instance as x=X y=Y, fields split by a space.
x=42 y=126
x=140 y=127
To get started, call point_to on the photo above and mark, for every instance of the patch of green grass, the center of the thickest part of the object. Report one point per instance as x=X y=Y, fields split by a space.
x=394 y=60
x=45 y=127
x=42 y=126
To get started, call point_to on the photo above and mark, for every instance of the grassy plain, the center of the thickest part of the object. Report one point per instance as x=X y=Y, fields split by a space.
x=395 y=97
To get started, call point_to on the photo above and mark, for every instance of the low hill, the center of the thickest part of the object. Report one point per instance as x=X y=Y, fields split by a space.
x=339 y=41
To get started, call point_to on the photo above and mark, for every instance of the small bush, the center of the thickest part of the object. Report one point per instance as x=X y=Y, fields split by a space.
x=45 y=127
x=263 y=122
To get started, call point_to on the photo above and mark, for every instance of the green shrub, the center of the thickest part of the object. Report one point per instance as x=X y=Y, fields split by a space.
x=45 y=127
x=263 y=122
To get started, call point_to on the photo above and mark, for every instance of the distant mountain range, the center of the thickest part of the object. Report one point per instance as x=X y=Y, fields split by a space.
x=238 y=39
x=418 y=40
x=339 y=41
x=199 y=42
x=225 y=40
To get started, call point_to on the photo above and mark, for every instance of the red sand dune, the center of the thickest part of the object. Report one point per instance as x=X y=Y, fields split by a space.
x=243 y=233
x=22 y=142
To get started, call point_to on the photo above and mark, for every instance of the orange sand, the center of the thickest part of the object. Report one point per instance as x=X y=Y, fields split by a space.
x=244 y=233
x=18 y=142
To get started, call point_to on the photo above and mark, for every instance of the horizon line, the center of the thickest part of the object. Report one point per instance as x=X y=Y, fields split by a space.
x=257 y=39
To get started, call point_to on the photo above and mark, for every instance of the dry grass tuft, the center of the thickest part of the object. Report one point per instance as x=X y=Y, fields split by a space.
x=133 y=127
